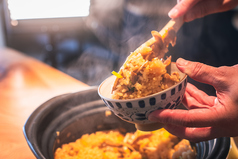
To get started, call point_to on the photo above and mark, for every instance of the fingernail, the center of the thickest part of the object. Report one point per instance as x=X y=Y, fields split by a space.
x=181 y=62
x=173 y=13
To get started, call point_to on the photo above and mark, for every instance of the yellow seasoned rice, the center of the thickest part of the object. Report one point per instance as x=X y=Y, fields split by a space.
x=144 y=71
x=152 y=79
x=112 y=144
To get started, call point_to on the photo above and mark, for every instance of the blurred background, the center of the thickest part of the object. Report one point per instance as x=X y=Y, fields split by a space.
x=88 y=39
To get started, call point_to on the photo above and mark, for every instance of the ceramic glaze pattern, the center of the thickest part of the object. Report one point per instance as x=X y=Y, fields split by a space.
x=137 y=111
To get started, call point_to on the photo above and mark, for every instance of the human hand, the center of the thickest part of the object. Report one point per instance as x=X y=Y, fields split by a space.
x=193 y=9
x=207 y=117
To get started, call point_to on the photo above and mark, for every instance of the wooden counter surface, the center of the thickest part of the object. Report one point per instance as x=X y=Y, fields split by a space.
x=25 y=83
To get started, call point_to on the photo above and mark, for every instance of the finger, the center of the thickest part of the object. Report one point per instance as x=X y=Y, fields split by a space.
x=181 y=8
x=193 y=9
x=227 y=5
x=206 y=7
x=200 y=96
x=191 y=103
x=203 y=117
x=195 y=134
x=202 y=9
x=198 y=71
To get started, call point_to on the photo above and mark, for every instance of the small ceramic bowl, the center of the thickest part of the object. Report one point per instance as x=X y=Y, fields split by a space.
x=137 y=110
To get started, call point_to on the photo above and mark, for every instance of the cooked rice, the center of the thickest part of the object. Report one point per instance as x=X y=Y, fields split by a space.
x=151 y=79
x=112 y=144
x=144 y=71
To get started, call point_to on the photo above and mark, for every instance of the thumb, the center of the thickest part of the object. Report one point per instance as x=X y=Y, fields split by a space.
x=197 y=71
x=182 y=8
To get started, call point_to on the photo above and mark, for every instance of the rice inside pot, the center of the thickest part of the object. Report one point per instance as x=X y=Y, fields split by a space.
x=113 y=144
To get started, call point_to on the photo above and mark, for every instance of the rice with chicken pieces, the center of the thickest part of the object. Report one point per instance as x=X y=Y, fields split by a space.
x=112 y=144
x=151 y=79
x=144 y=71
x=98 y=145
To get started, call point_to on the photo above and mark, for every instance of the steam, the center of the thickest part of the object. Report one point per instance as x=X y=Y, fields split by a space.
x=123 y=25
x=120 y=26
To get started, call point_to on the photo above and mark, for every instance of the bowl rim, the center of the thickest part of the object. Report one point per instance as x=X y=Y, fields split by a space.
x=142 y=98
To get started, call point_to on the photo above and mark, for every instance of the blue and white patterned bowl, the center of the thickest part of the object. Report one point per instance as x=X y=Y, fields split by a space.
x=137 y=110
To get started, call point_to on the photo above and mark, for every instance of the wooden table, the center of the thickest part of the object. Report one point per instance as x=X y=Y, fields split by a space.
x=25 y=83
